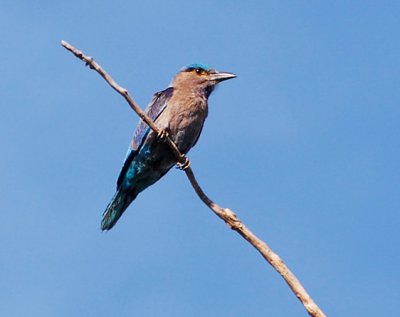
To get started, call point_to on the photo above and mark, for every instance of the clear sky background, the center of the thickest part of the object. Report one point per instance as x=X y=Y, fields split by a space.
x=303 y=145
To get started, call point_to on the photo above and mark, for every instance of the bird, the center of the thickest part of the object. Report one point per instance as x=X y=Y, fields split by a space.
x=180 y=112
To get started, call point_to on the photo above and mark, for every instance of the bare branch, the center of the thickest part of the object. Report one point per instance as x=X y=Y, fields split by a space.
x=225 y=214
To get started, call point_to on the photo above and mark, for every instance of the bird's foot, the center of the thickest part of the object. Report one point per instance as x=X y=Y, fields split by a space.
x=184 y=165
x=162 y=135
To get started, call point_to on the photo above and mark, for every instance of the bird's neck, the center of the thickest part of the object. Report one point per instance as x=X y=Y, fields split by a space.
x=196 y=92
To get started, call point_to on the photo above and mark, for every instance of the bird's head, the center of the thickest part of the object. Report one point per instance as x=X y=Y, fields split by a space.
x=199 y=77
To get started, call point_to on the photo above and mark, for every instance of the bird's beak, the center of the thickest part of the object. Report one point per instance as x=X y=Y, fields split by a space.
x=220 y=76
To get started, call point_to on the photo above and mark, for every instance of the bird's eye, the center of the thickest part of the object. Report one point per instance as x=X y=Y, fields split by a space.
x=198 y=71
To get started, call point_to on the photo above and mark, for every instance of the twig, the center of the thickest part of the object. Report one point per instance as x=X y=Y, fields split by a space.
x=225 y=214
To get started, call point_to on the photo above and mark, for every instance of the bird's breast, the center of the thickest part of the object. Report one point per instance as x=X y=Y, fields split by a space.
x=185 y=119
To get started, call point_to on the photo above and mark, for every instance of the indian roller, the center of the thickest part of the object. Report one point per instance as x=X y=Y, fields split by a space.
x=180 y=111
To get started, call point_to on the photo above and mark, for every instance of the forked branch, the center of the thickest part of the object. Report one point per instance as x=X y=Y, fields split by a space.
x=225 y=214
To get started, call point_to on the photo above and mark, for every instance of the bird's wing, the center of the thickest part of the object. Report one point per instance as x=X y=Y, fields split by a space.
x=154 y=109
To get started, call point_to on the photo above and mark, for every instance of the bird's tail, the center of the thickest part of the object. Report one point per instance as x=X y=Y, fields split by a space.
x=116 y=208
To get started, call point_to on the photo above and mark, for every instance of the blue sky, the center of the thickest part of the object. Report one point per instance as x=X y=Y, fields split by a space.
x=303 y=145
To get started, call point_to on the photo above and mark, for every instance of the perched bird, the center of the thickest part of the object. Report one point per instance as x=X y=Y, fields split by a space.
x=180 y=110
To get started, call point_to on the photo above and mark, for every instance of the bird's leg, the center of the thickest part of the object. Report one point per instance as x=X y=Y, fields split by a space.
x=163 y=134
x=184 y=165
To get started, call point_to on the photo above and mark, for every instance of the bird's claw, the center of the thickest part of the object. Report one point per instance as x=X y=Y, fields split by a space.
x=184 y=165
x=162 y=135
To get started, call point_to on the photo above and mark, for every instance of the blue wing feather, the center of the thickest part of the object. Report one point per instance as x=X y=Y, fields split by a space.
x=155 y=108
